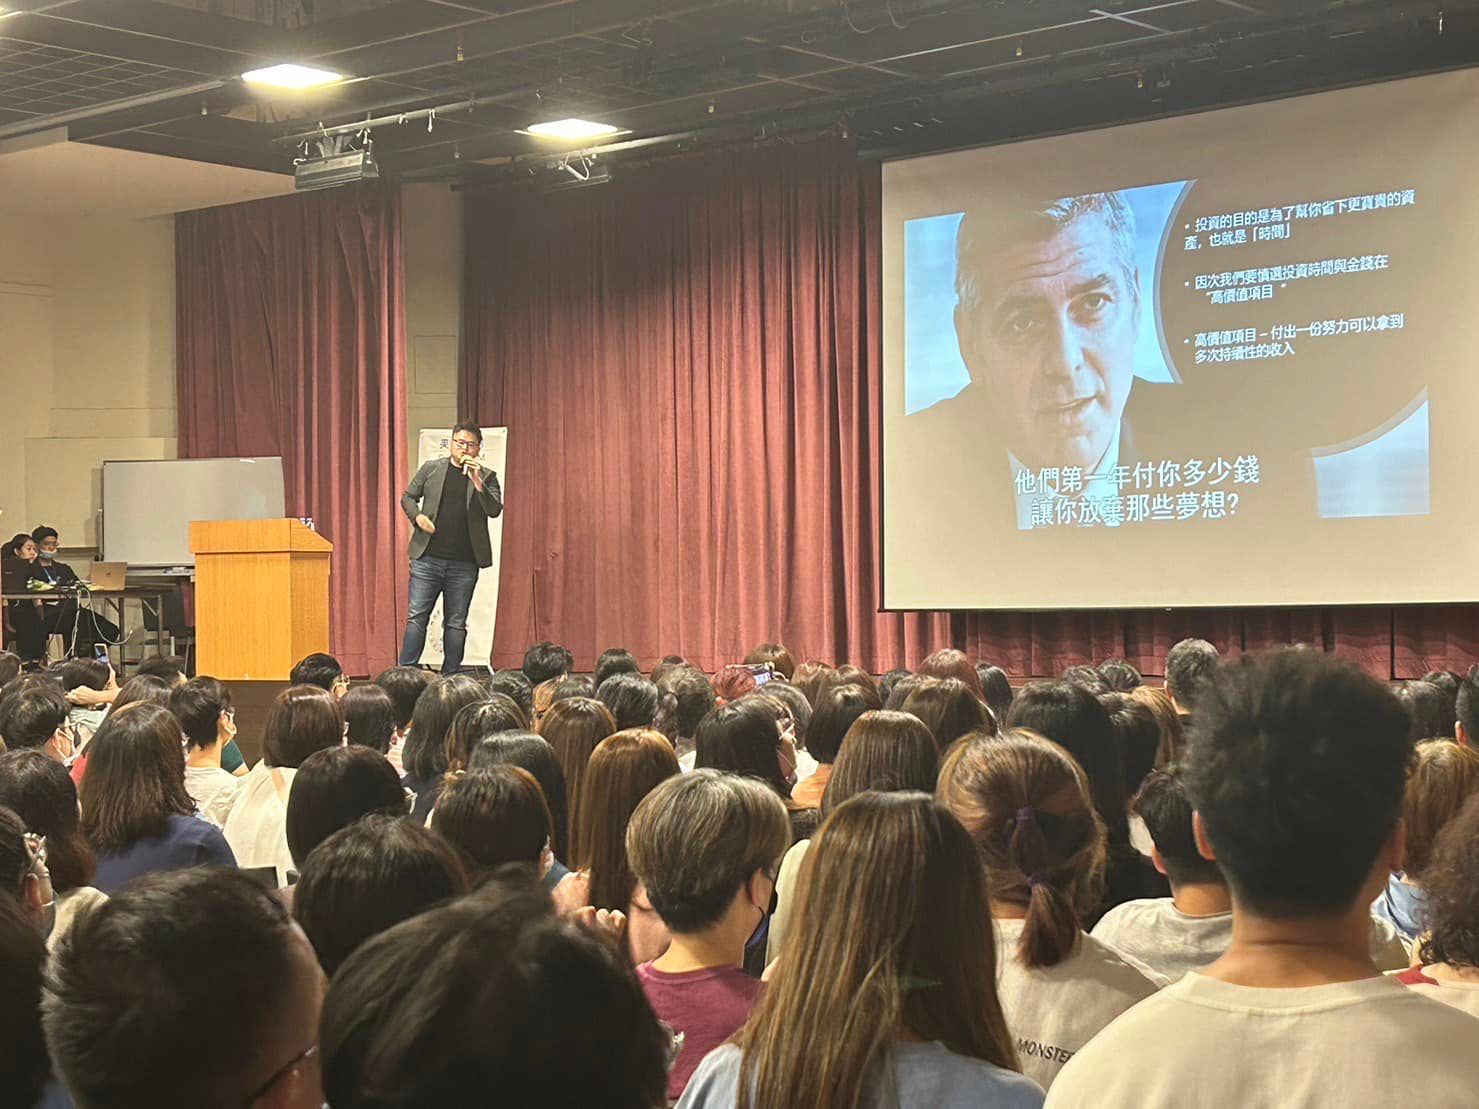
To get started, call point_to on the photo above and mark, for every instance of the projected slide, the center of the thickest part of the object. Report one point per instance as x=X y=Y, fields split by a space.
x=1225 y=344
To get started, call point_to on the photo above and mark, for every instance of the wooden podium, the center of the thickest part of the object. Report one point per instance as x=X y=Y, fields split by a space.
x=261 y=597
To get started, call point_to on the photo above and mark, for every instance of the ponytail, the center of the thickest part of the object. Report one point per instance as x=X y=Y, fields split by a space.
x=1051 y=928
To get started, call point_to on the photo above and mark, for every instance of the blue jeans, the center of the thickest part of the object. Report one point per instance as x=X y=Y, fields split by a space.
x=454 y=582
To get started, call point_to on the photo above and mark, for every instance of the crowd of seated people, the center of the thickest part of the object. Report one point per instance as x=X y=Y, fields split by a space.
x=782 y=884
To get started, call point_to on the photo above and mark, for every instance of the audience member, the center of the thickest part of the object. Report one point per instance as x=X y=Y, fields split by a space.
x=695 y=698
x=1171 y=747
x=168 y=668
x=1027 y=805
x=887 y=682
x=813 y=678
x=667 y=664
x=614 y=660
x=901 y=690
x=25 y=1067
x=1466 y=709
x=744 y=738
x=510 y=1005
x=898 y=1008
x=1071 y=717
x=705 y=847
x=369 y=876
x=799 y=712
x=632 y=698
x=545 y=661
x=1448 y=968
x=35 y=715
x=10 y=667
x=370 y=713
x=570 y=685
x=1296 y=769
x=512 y=683
x=95 y=676
x=950 y=663
x=949 y=709
x=624 y=768
x=475 y=722
x=146 y=973
x=533 y=753
x=332 y=789
x=997 y=690
x=303 y=719
x=1430 y=711
x=1447 y=683
x=1443 y=776
x=24 y=877
x=151 y=690
x=775 y=655
x=848 y=674
x=495 y=817
x=424 y=753
x=1086 y=678
x=25 y=622
x=321 y=670
x=203 y=708
x=734 y=682
x=574 y=730
x=1137 y=735
x=1119 y=675
x=804 y=766
x=405 y=684
x=835 y=712
x=1190 y=663
x=136 y=812
x=42 y=794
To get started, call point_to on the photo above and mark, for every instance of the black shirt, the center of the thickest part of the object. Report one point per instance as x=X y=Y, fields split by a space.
x=452 y=540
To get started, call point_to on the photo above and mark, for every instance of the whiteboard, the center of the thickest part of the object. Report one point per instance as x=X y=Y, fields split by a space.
x=148 y=505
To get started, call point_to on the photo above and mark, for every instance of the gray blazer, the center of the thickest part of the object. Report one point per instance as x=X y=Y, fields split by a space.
x=424 y=495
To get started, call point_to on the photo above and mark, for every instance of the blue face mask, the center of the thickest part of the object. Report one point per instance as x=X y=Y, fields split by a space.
x=46 y=556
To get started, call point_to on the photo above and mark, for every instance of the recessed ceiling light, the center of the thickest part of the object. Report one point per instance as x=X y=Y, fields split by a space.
x=571 y=129
x=289 y=76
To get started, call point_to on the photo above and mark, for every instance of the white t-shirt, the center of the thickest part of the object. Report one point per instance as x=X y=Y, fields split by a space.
x=786 y=887
x=1207 y=1043
x=214 y=791
x=257 y=827
x=1054 y=1011
x=1442 y=983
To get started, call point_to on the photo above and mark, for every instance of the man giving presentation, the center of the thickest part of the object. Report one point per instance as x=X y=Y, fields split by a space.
x=450 y=501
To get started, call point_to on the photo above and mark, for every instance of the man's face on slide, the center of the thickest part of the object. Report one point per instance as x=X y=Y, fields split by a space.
x=1053 y=343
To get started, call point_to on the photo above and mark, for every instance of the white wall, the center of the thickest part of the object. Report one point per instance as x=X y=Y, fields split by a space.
x=87 y=361
x=433 y=248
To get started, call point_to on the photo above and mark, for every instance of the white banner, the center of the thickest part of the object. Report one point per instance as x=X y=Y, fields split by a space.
x=435 y=442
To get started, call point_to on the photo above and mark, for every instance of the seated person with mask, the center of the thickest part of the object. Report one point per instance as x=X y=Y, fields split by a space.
x=61 y=617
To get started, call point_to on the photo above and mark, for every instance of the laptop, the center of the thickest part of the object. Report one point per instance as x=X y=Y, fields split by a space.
x=13 y=575
x=108 y=577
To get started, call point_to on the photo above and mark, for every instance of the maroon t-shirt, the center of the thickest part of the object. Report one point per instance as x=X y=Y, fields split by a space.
x=705 y=1006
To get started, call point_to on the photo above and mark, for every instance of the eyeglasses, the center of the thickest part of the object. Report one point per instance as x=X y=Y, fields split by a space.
x=282 y=1072
x=467 y=444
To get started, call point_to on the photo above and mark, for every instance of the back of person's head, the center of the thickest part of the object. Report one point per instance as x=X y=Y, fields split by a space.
x=798 y=708
x=494 y=817
x=950 y=663
x=1189 y=666
x=1443 y=777
x=775 y=655
x=10 y=667
x=24 y=1065
x=614 y=660
x=694 y=693
x=546 y=660
x=669 y=662
x=1119 y=675
x=697 y=839
x=32 y=714
x=888 y=752
x=742 y=738
x=812 y=678
x=135 y=977
x=899 y=692
x=624 y=768
x=1466 y=708
x=405 y=684
x=632 y=698
x=303 y=719
x=1296 y=765
x=135 y=777
x=149 y=689
x=905 y=876
x=16 y=862
x=848 y=674
x=85 y=673
x=317 y=669
x=574 y=728
x=890 y=679
x=571 y=685
x=490 y=997
x=1447 y=683
x=949 y=709
x=835 y=712
x=370 y=876
x=170 y=669
x=533 y=753
x=512 y=683
x=1087 y=678
x=1164 y=805
x=1430 y=711
x=369 y=711
x=41 y=792
x=1137 y=734
x=198 y=705
x=1451 y=893
x=996 y=689
x=733 y=682
x=334 y=788
x=1074 y=719
x=1026 y=804
x=424 y=754
x=1172 y=745
x=498 y=712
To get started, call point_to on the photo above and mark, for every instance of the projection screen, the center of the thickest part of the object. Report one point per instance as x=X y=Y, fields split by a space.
x=1220 y=359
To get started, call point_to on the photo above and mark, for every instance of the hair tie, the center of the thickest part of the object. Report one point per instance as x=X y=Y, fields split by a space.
x=1035 y=880
x=1024 y=814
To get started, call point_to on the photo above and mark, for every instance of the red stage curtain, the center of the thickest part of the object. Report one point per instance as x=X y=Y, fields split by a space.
x=291 y=341
x=688 y=362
